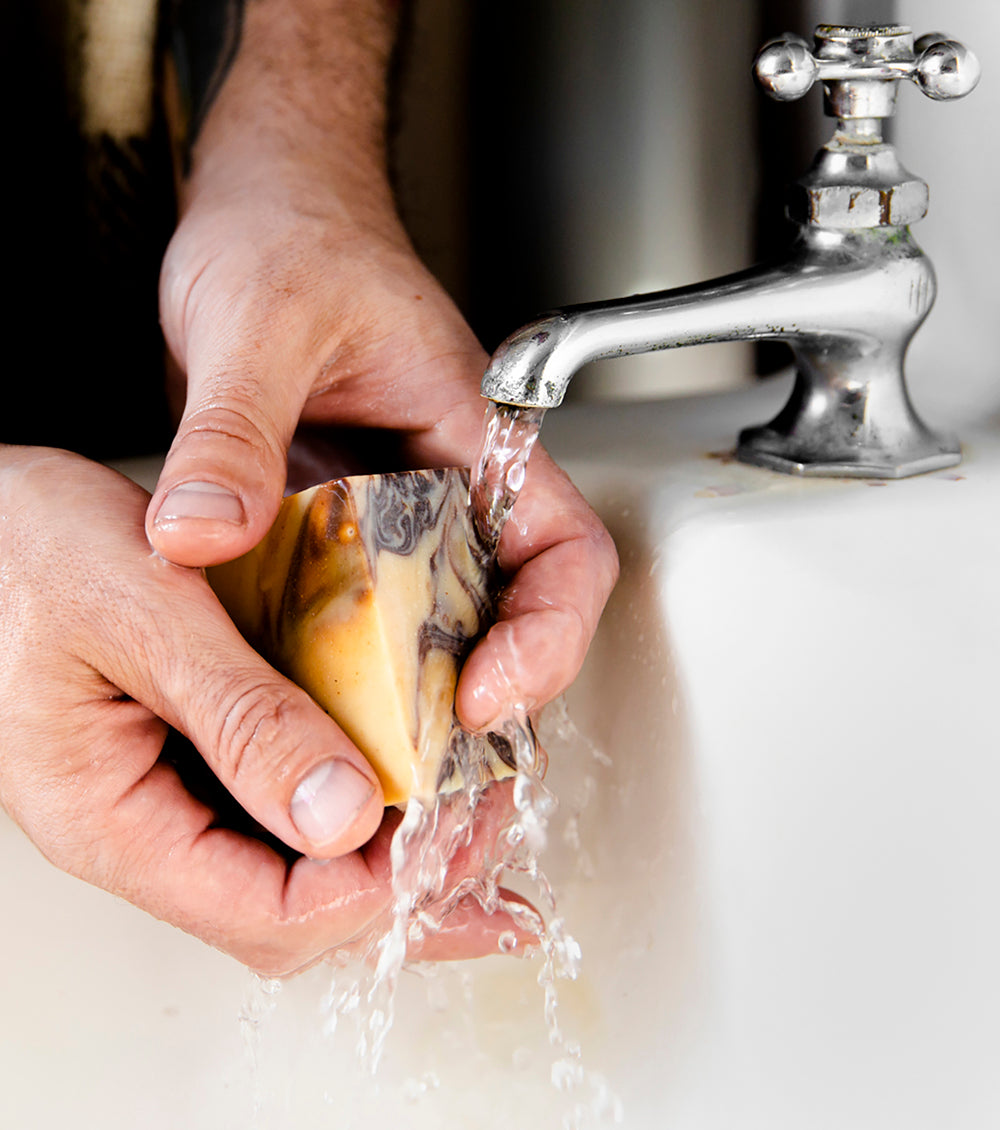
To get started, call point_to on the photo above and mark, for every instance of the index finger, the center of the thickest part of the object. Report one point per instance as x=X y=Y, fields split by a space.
x=564 y=566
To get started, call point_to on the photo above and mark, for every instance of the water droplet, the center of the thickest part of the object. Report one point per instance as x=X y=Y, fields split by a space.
x=507 y=942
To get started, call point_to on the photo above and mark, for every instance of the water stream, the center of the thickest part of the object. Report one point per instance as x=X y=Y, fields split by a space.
x=509 y=434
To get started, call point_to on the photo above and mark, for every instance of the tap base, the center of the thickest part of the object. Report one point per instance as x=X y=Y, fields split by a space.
x=794 y=455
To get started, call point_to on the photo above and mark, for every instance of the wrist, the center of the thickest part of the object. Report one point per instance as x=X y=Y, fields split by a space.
x=300 y=111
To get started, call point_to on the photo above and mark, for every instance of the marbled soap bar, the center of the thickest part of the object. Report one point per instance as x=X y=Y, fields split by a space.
x=368 y=592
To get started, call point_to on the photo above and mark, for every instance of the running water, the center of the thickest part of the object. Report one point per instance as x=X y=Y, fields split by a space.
x=509 y=434
x=430 y=833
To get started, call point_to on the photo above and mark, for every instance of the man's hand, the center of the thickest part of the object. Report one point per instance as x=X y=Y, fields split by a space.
x=291 y=295
x=105 y=644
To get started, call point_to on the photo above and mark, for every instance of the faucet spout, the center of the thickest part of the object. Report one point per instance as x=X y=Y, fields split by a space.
x=534 y=366
x=848 y=303
x=848 y=299
x=799 y=301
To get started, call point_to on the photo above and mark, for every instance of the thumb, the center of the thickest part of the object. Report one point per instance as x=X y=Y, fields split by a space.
x=283 y=758
x=224 y=475
x=286 y=761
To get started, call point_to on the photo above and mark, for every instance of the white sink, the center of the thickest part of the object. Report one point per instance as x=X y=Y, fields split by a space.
x=784 y=894
x=810 y=801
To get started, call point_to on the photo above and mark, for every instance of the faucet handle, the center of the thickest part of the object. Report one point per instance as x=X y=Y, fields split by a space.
x=945 y=68
x=785 y=68
x=860 y=66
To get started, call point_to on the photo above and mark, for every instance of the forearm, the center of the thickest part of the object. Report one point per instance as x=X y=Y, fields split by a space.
x=284 y=92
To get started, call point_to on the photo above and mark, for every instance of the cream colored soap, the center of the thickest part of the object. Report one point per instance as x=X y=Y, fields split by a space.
x=369 y=592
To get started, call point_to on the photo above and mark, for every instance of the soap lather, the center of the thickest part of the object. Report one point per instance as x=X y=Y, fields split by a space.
x=368 y=592
x=848 y=298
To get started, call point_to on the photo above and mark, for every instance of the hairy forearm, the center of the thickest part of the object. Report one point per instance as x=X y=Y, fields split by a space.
x=284 y=92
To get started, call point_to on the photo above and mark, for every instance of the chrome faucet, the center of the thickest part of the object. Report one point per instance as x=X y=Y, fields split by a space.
x=848 y=298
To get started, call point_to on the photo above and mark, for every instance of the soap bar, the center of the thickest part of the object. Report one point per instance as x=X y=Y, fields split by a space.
x=369 y=592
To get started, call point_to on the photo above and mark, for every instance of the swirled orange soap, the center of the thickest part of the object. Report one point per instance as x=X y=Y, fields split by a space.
x=368 y=592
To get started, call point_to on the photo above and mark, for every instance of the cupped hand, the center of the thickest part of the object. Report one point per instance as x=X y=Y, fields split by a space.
x=106 y=645
x=282 y=307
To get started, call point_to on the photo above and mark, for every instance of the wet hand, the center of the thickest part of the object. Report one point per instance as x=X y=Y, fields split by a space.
x=283 y=310
x=107 y=646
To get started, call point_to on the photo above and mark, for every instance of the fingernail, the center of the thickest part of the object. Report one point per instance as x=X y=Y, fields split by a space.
x=200 y=500
x=328 y=800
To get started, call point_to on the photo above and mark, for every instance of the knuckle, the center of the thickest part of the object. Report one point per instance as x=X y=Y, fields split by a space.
x=607 y=552
x=233 y=415
x=599 y=555
x=254 y=732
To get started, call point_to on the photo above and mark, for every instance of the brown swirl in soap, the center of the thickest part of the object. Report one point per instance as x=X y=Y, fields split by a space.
x=401 y=509
x=398 y=514
x=369 y=592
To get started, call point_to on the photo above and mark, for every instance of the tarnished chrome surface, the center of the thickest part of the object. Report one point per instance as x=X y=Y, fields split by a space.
x=859 y=67
x=847 y=302
x=857 y=179
x=848 y=299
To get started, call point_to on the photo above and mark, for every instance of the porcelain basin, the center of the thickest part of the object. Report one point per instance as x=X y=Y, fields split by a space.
x=795 y=680
x=777 y=846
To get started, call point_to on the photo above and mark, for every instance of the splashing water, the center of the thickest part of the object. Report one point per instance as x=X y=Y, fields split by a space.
x=425 y=892
x=364 y=983
x=259 y=1003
